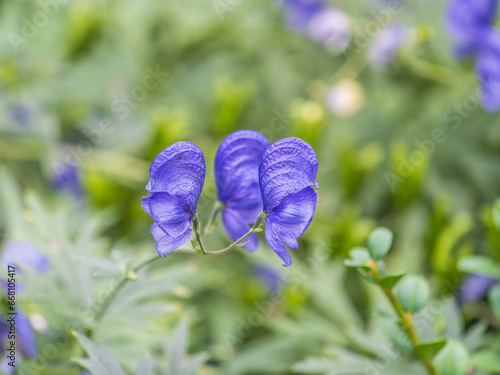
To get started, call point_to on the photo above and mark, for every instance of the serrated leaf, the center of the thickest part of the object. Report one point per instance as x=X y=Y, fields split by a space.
x=101 y=361
x=380 y=242
x=413 y=292
x=389 y=281
x=479 y=264
x=453 y=359
x=428 y=350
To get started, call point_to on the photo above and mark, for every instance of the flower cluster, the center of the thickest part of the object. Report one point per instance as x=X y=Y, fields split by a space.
x=254 y=181
x=470 y=24
x=322 y=23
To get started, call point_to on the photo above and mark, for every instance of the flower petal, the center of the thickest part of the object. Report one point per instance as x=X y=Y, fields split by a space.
x=236 y=170
x=236 y=227
x=166 y=244
x=287 y=166
x=170 y=213
x=274 y=241
x=179 y=170
x=293 y=216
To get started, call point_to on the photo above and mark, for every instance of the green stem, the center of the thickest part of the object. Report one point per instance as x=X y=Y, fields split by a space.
x=197 y=232
x=406 y=318
x=235 y=244
x=128 y=275
x=218 y=207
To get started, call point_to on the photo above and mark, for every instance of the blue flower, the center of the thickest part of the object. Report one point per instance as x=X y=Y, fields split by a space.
x=299 y=13
x=488 y=70
x=236 y=171
x=26 y=336
x=67 y=179
x=22 y=254
x=330 y=27
x=287 y=171
x=467 y=22
x=386 y=44
x=26 y=341
x=323 y=24
x=176 y=179
x=475 y=287
x=270 y=276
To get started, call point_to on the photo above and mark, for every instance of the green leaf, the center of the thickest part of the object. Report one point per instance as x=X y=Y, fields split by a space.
x=100 y=360
x=196 y=245
x=389 y=281
x=428 y=350
x=379 y=242
x=359 y=257
x=494 y=299
x=487 y=361
x=453 y=359
x=496 y=213
x=479 y=264
x=413 y=292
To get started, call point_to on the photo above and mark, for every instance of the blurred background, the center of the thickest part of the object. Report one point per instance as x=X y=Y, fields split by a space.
x=91 y=91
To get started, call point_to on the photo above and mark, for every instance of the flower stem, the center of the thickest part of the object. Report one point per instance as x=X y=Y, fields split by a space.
x=197 y=232
x=129 y=274
x=406 y=317
x=218 y=207
x=238 y=242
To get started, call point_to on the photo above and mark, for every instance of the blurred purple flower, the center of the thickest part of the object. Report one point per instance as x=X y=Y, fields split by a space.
x=475 y=287
x=270 y=276
x=286 y=173
x=177 y=176
x=330 y=27
x=467 y=22
x=21 y=254
x=21 y=114
x=320 y=22
x=68 y=179
x=26 y=341
x=386 y=44
x=299 y=13
x=236 y=170
x=26 y=336
x=488 y=70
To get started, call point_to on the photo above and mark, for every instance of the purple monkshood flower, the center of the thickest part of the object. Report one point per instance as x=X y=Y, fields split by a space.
x=386 y=44
x=475 y=287
x=287 y=171
x=236 y=170
x=176 y=179
x=467 y=22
